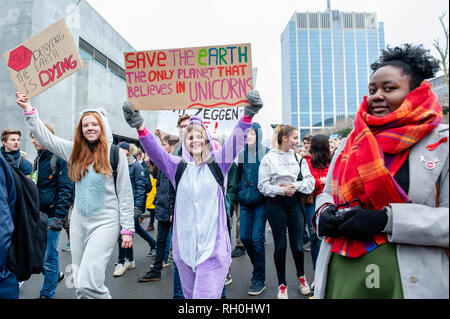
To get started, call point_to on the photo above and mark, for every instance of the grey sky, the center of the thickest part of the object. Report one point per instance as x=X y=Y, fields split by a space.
x=152 y=25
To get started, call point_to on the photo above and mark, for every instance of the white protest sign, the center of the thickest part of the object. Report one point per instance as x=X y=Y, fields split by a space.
x=219 y=121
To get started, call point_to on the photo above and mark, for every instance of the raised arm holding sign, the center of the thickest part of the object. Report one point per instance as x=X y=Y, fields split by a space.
x=43 y=60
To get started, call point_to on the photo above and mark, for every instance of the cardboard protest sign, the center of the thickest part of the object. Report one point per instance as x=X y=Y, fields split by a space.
x=43 y=60
x=219 y=121
x=200 y=77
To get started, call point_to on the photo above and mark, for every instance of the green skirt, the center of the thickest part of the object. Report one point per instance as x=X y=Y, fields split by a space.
x=374 y=275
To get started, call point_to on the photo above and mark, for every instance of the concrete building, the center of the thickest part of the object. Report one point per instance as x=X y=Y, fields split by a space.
x=101 y=82
x=439 y=85
x=441 y=89
x=326 y=58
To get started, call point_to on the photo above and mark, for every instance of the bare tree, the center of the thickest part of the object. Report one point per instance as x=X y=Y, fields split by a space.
x=443 y=50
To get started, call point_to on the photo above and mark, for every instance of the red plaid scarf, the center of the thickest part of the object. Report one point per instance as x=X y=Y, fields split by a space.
x=361 y=170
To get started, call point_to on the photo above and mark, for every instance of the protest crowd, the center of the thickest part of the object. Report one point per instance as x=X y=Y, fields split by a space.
x=379 y=196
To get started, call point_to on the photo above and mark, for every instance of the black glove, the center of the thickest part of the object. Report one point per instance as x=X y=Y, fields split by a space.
x=255 y=103
x=56 y=224
x=363 y=224
x=133 y=117
x=329 y=222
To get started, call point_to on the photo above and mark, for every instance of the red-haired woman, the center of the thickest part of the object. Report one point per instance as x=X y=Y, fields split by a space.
x=101 y=209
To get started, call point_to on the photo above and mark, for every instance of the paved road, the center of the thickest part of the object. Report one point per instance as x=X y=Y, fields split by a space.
x=127 y=287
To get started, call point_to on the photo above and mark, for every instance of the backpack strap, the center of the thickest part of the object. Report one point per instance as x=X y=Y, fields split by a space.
x=53 y=167
x=20 y=161
x=300 y=175
x=36 y=163
x=218 y=175
x=180 y=170
x=114 y=161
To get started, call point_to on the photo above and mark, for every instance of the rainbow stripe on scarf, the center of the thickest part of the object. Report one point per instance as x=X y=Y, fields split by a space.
x=374 y=152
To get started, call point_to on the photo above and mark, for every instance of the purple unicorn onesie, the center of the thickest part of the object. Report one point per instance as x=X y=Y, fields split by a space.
x=200 y=240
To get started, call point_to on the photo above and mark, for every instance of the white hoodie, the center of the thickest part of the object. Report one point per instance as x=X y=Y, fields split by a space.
x=279 y=167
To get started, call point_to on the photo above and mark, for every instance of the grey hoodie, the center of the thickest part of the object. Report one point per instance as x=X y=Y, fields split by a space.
x=283 y=167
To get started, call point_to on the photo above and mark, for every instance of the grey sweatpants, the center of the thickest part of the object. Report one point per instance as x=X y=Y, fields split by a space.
x=92 y=241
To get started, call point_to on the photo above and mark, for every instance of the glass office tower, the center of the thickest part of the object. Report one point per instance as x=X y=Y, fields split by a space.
x=326 y=58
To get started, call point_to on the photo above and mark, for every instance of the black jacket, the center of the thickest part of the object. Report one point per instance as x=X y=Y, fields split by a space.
x=148 y=183
x=14 y=158
x=137 y=177
x=56 y=193
x=164 y=198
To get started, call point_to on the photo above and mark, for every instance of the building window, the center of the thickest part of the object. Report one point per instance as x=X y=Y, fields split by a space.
x=101 y=58
x=325 y=20
x=336 y=15
x=371 y=21
x=314 y=20
x=360 y=20
x=89 y=52
x=86 y=47
x=348 y=20
x=119 y=138
x=302 y=21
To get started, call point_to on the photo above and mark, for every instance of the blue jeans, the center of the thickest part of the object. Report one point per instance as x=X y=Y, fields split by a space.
x=9 y=286
x=127 y=253
x=252 y=232
x=162 y=252
x=168 y=244
x=315 y=241
x=51 y=264
x=177 y=290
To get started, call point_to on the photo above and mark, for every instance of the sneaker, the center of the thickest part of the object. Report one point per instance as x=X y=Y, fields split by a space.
x=67 y=248
x=152 y=252
x=150 y=228
x=307 y=246
x=238 y=252
x=228 y=280
x=282 y=292
x=119 y=270
x=257 y=288
x=150 y=276
x=44 y=297
x=129 y=264
x=166 y=263
x=61 y=277
x=303 y=286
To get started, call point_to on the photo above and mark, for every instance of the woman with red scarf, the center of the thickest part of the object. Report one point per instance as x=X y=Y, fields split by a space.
x=384 y=209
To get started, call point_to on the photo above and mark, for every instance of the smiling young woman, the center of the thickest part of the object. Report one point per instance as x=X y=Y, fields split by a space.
x=278 y=181
x=392 y=172
x=103 y=207
x=201 y=243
